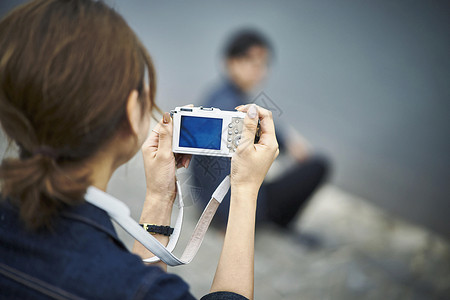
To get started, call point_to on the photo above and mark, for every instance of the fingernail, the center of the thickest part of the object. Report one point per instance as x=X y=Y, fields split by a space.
x=238 y=107
x=186 y=163
x=252 y=112
x=166 y=118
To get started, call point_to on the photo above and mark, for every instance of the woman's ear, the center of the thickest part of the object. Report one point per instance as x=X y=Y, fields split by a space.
x=134 y=111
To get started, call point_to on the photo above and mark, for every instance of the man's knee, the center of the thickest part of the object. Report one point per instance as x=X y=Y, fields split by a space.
x=322 y=164
x=319 y=168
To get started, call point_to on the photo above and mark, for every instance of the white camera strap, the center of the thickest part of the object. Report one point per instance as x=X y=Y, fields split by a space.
x=120 y=213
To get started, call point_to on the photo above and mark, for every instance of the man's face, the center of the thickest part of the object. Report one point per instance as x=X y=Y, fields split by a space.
x=249 y=70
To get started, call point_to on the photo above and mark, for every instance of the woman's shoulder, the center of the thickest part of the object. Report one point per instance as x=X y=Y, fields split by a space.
x=123 y=275
x=82 y=257
x=114 y=270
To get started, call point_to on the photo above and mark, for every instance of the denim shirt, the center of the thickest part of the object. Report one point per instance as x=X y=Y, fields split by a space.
x=80 y=258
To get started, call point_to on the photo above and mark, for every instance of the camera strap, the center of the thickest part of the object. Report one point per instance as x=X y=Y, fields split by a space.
x=120 y=213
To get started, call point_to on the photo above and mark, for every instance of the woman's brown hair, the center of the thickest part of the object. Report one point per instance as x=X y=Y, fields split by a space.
x=67 y=68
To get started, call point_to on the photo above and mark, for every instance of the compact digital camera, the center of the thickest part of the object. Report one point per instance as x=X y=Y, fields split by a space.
x=206 y=131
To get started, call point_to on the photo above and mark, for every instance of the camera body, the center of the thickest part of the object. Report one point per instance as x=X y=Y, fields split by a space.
x=206 y=131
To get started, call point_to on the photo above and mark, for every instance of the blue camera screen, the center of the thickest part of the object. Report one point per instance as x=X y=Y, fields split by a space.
x=198 y=132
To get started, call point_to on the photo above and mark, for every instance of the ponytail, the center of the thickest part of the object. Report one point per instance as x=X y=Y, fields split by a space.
x=39 y=188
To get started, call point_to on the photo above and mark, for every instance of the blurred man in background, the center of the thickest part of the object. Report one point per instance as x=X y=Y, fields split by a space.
x=299 y=172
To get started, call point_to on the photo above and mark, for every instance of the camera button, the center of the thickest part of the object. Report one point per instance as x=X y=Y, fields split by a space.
x=229 y=139
x=229 y=146
x=230 y=125
x=236 y=131
x=230 y=131
x=237 y=121
x=237 y=139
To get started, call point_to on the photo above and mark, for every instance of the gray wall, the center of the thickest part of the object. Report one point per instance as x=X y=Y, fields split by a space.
x=367 y=82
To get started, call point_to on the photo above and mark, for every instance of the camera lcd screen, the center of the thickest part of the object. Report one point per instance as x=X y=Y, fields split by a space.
x=199 y=132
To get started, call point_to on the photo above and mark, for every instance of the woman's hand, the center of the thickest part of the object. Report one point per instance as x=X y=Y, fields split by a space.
x=249 y=165
x=160 y=163
x=251 y=161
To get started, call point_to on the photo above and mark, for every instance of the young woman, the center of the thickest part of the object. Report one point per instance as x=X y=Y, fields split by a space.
x=74 y=101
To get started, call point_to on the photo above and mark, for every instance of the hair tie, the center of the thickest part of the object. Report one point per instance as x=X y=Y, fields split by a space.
x=46 y=151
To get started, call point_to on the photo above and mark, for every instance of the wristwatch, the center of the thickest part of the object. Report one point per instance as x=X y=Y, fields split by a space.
x=157 y=229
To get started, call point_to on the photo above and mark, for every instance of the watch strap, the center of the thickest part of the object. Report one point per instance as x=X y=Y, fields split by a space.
x=157 y=229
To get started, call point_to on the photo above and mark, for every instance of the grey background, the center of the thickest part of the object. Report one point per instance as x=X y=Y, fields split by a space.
x=367 y=82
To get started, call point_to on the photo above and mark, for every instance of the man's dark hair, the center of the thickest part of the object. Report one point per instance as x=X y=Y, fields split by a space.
x=241 y=41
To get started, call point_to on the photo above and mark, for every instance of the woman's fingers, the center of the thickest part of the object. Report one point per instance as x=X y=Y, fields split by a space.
x=183 y=160
x=152 y=141
x=186 y=160
x=159 y=142
x=249 y=128
x=165 y=134
x=252 y=161
x=267 y=136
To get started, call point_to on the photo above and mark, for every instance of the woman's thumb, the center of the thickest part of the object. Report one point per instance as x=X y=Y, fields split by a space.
x=165 y=133
x=250 y=124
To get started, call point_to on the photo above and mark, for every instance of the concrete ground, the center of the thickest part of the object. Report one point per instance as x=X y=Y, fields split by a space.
x=364 y=253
